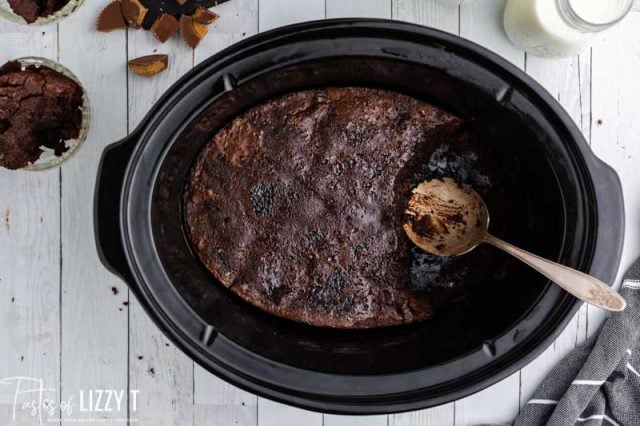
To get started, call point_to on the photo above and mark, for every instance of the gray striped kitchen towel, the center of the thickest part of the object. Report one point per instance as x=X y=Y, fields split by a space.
x=599 y=382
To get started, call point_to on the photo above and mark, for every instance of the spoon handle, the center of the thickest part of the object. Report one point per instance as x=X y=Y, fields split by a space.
x=582 y=286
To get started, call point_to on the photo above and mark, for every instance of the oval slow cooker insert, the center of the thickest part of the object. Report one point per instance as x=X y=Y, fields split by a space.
x=568 y=206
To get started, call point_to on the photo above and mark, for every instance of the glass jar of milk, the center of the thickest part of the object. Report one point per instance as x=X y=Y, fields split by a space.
x=558 y=28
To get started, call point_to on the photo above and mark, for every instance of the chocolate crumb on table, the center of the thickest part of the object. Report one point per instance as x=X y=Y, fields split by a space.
x=39 y=107
x=172 y=7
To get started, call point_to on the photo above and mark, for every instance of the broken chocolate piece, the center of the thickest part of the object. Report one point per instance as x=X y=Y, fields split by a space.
x=173 y=8
x=204 y=16
x=156 y=15
x=111 y=18
x=134 y=12
x=149 y=65
x=192 y=32
x=164 y=27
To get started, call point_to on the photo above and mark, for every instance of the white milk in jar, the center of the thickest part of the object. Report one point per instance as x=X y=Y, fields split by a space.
x=557 y=28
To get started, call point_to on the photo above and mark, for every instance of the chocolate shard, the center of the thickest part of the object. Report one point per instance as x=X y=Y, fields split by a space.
x=164 y=27
x=192 y=32
x=134 y=12
x=111 y=18
x=173 y=8
x=204 y=16
x=149 y=65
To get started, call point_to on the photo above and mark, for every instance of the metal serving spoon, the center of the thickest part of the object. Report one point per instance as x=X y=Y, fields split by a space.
x=447 y=218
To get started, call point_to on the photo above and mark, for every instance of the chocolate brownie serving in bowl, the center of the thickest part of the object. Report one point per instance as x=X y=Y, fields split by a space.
x=44 y=114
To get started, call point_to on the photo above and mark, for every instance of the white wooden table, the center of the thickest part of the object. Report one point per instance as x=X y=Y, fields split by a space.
x=60 y=317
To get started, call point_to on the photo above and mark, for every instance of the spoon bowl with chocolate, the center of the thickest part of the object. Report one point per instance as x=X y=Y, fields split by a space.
x=447 y=218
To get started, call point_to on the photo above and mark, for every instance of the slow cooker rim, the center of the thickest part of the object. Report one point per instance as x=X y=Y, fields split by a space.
x=139 y=146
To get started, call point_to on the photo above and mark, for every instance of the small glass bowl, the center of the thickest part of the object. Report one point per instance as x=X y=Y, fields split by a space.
x=48 y=159
x=7 y=13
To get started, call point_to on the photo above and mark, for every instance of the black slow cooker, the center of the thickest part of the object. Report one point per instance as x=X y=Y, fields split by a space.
x=571 y=203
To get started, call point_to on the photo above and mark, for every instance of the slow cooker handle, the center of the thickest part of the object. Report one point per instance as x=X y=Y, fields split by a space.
x=611 y=219
x=108 y=190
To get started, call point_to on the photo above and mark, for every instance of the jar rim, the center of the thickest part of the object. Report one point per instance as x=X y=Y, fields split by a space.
x=576 y=20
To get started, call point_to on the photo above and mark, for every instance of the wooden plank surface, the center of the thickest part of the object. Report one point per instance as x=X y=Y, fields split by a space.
x=59 y=302
x=94 y=319
x=276 y=13
x=29 y=257
x=430 y=13
x=358 y=8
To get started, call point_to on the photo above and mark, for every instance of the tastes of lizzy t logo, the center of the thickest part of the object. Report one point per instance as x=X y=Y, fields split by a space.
x=33 y=399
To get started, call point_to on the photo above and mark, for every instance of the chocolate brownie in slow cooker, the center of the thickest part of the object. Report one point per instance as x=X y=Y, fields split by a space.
x=297 y=206
x=39 y=107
